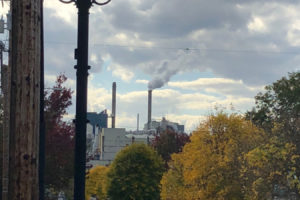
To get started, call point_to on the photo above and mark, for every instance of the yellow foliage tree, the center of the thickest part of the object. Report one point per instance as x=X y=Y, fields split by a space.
x=96 y=183
x=172 y=181
x=271 y=169
x=209 y=166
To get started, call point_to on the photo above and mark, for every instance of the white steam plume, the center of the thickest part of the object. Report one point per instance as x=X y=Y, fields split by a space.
x=162 y=76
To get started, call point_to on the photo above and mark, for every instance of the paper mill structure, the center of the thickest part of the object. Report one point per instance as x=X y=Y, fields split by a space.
x=106 y=142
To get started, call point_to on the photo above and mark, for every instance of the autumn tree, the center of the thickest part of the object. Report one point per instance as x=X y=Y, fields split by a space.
x=280 y=104
x=135 y=174
x=59 y=137
x=269 y=168
x=172 y=182
x=209 y=166
x=96 y=183
x=169 y=142
x=277 y=111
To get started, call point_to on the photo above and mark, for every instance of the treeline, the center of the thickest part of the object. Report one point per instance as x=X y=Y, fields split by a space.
x=255 y=156
x=230 y=156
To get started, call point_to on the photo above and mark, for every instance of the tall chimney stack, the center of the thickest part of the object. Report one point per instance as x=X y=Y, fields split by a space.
x=113 y=114
x=138 y=122
x=149 y=108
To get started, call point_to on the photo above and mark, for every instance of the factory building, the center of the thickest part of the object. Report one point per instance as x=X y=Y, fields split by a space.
x=109 y=141
x=97 y=120
x=163 y=125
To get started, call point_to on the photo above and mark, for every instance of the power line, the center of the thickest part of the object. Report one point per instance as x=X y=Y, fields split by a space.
x=181 y=48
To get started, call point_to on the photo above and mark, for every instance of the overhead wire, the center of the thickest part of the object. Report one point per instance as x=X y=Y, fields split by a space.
x=187 y=49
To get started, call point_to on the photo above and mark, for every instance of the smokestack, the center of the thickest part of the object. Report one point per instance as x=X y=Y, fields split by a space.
x=149 y=108
x=113 y=114
x=138 y=121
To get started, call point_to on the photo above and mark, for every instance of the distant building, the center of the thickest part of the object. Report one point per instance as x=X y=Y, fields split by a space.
x=112 y=140
x=89 y=130
x=97 y=120
x=164 y=125
x=107 y=142
x=90 y=138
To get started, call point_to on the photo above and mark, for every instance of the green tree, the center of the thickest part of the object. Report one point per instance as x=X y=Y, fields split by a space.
x=135 y=174
x=279 y=104
x=277 y=111
x=96 y=183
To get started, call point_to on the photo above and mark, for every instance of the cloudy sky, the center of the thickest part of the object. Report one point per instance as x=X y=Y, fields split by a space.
x=195 y=54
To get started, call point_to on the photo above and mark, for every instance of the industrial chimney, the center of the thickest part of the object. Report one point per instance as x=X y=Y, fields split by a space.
x=113 y=114
x=149 y=108
x=138 y=121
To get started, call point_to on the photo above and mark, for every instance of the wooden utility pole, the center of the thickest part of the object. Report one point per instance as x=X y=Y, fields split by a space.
x=5 y=86
x=5 y=80
x=25 y=100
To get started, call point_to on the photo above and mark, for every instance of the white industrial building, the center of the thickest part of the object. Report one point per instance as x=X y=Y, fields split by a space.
x=107 y=142
x=110 y=141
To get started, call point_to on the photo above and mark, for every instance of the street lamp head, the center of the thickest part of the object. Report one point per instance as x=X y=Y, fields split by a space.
x=90 y=1
x=101 y=4
x=70 y=1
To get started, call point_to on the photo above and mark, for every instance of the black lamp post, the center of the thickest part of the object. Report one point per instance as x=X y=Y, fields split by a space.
x=81 y=55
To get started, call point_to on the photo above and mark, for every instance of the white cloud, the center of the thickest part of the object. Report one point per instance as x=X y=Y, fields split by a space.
x=186 y=108
x=129 y=40
x=70 y=83
x=142 y=81
x=133 y=96
x=94 y=58
x=191 y=122
x=69 y=117
x=49 y=80
x=121 y=72
x=198 y=34
x=257 y=25
x=219 y=36
x=98 y=99
x=203 y=82
x=222 y=86
x=243 y=44
x=293 y=35
x=128 y=121
x=5 y=8
x=66 y=12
